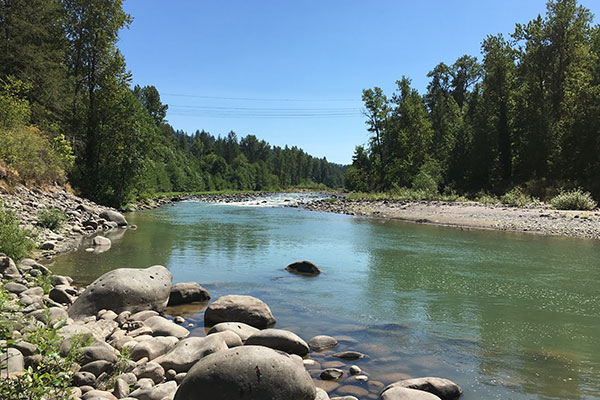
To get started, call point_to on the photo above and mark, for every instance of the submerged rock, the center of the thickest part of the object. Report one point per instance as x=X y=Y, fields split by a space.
x=303 y=267
x=443 y=388
x=322 y=342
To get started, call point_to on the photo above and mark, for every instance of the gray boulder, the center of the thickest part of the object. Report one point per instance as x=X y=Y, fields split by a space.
x=187 y=292
x=152 y=348
x=189 y=351
x=322 y=342
x=349 y=355
x=114 y=216
x=443 y=388
x=125 y=289
x=101 y=241
x=14 y=287
x=279 y=339
x=8 y=267
x=321 y=395
x=159 y=392
x=303 y=267
x=244 y=331
x=11 y=362
x=150 y=370
x=331 y=374
x=163 y=327
x=247 y=372
x=400 y=393
x=236 y=308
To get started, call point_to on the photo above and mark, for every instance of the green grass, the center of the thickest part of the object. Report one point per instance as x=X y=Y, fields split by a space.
x=15 y=242
x=406 y=194
x=52 y=218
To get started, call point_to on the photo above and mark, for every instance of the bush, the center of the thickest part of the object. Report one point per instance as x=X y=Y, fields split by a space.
x=14 y=241
x=573 y=200
x=52 y=218
x=516 y=198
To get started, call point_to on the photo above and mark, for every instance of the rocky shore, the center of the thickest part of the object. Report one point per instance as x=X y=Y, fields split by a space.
x=471 y=215
x=127 y=348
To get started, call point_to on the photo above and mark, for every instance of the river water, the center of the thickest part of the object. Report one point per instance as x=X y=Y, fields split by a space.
x=505 y=315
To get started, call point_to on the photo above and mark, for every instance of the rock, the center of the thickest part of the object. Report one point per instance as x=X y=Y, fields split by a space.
x=86 y=208
x=26 y=348
x=230 y=338
x=97 y=367
x=179 y=319
x=349 y=355
x=170 y=374
x=344 y=398
x=152 y=348
x=188 y=292
x=322 y=342
x=159 y=392
x=101 y=241
x=443 y=388
x=121 y=389
x=99 y=352
x=125 y=289
x=247 y=372
x=189 y=351
x=236 y=308
x=128 y=377
x=14 y=287
x=109 y=315
x=34 y=291
x=400 y=393
x=331 y=374
x=11 y=362
x=98 y=394
x=51 y=315
x=304 y=268
x=351 y=390
x=244 y=331
x=91 y=224
x=321 y=395
x=144 y=383
x=143 y=315
x=279 y=339
x=48 y=245
x=60 y=295
x=84 y=378
x=8 y=267
x=114 y=216
x=361 y=378
x=355 y=370
x=58 y=280
x=150 y=370
x=163 y=327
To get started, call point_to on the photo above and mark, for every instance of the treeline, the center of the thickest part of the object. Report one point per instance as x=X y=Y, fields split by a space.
x=65 y=88
x=527 y=115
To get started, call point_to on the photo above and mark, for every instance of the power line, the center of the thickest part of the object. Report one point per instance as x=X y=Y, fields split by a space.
x=201 y=107
x=256 y=98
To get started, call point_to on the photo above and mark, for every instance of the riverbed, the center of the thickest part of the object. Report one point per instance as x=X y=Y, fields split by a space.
x=505 y=315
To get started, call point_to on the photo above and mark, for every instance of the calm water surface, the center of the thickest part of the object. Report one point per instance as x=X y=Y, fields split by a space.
x=506 y=316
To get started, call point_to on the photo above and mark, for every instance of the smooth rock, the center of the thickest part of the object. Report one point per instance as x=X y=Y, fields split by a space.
x=321 y=395
x=349 y=355
x=331 y=374
x=244 y=331
x=51 y=315
x=152 y=348
x=11 y=362
x=279 y=339
x=187 y=292
x=114 y=216
x=99 y=352
x=230 y=338
x=303 y=267
x=125 y=289
x=400 y=393
x=8 y=267
x=247 y=372
x=443 y=388
x=60 y=296
x=84 y=378
x=322 y=342
x=150 y=370
x=48 y=245
x=121 y=389
x=189 y=351
x=143 y=315
x=236 y=308
x=98 y=394
x=355 y=370
x=101 y=241
x=159 y=392
x=97 y=367
x=26 y=348
x=14 y=287
x=163 y=327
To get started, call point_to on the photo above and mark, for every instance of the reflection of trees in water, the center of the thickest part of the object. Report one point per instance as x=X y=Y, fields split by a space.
x=416 y=279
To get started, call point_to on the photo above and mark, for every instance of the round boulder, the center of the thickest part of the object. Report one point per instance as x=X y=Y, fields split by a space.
x=400 y=393
x=279 y=339
x=114 y=216
x=244 y=331
x=445 y=389
x=236 y=308
x=187 y=292
x=322 y=343
x=101 y=241
x=304 y=268
x=125 y=289
x=247 y=373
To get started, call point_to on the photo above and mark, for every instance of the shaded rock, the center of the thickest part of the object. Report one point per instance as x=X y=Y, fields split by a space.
x=97 y=367
x=125 y=289
x=189 y=351
x=101 y=241
x=244 y=331
x=152 y=348
x=14 y=287
x=26 y=348
x=159 y=392
x=400 y=393
x=188 y=292
x=99 y=352
x=150 y=370
x=114 y=216
x=349 y=355
x=321 y=395
x=98 y=394
x=355 y=370
x=143 y=315
x=11 y=362
x=60 y=295
x=322 y=342
x=351 y=390
x=443 y=388
x=303 y=267
x=247 y=372
x=34 y=291
x=48 y=245
x=33 y=360
x=8 y=267
x=163 y=327
x=236 y=308
x=279 y=339
x=84 y=378
x=58 y=280
x=230 y=338
x=52 y=315
x=331 y=374
x=121 y=389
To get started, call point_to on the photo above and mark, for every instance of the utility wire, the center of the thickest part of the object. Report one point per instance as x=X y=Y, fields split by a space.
x=256 y=98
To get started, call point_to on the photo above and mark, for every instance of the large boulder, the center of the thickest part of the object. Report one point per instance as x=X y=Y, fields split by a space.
x=125 y=289
x=279 y=339
x=236 y=308
x=303 y=267
x=8 y=267
x=114 y=217
x=247 y=373
x=163 y=327
x=188 y=351
x=244 y=331
x=400 y=393
x=187 y=292
x=445 y=389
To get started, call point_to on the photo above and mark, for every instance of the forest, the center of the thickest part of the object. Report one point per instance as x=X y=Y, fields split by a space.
x=68 y=112
x=527 y=116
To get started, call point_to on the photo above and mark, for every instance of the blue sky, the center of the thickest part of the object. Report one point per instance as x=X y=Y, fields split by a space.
x=292 y=72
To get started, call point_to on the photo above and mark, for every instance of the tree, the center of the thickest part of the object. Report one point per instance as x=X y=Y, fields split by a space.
x=150 y=99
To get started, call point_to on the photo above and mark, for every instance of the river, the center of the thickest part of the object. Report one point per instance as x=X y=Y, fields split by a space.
x=505 y=315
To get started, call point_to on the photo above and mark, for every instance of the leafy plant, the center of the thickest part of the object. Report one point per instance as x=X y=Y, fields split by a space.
x=14 y=241
x=516 y=198
x=52 y=218
x=573 y=200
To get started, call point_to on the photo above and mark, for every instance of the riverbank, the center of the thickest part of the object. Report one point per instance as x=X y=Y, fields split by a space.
x=471 y=215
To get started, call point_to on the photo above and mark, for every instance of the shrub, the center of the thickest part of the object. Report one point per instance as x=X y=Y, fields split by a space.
x=486 y=198
x=52 y=218
x=573 y=200
x=14 y=241
x=516 y=198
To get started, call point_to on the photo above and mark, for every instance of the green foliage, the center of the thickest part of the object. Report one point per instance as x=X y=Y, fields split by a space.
x=516 y=198
x=52 y=218
x=14 y=241
x=575 y=199
x=486 y=198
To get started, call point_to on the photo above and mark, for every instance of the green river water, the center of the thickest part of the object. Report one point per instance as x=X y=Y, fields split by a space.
x=505 y=315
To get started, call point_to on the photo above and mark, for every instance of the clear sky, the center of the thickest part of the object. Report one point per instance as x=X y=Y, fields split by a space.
x=292 y=72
